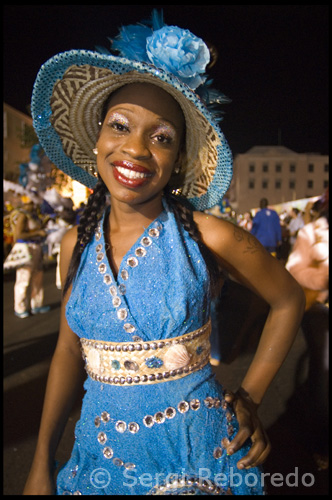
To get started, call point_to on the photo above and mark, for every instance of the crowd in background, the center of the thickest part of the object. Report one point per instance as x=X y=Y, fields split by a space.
x=58 y=217
x=300 y=239
x=55 y=219
x=33 y=229
x=286 y=224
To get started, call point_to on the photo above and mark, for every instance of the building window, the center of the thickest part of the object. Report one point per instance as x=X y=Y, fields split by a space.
x=292 y=167
x=265 y=184
x=278 y=184
x=251 y=184
x=326 y=167
x=251 y=168
x=310 y=167
x=310 y=184
x=325 y=184
x=278 y=167
x=292 y=184
x=265 y=167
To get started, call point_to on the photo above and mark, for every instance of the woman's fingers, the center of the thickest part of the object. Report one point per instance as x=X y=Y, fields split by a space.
x=257 y=454
x=229 y=396
x=249 y=427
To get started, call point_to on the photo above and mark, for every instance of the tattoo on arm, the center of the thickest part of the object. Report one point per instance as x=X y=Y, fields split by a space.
x=252 y=244
x=238 y=234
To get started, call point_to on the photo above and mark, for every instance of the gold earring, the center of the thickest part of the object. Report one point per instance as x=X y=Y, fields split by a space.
x=95 y=150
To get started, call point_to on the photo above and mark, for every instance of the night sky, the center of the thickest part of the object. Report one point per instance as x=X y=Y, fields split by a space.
x=273 y=61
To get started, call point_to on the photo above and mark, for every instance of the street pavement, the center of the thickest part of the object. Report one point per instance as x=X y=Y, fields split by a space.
x=28 y=347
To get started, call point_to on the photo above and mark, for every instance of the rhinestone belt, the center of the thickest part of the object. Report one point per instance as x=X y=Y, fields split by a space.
x=132 y=363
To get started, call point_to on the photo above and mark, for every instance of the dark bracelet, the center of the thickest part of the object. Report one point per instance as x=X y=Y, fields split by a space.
x=244 y=395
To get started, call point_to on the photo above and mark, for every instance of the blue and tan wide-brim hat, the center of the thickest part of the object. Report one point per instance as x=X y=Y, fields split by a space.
x=71 y=88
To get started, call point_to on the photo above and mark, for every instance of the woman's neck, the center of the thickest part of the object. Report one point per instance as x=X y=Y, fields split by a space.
x=124 y=216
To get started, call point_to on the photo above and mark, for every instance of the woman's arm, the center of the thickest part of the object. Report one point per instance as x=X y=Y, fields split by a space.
x=64 y=382
x=248 y=262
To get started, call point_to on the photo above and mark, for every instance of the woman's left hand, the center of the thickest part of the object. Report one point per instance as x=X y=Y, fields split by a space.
x=249 y=427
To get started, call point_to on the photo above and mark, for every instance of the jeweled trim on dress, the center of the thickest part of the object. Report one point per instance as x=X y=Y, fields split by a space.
x=162 y=416
x=132 y=363
x=186 y=484
x=109 y=444
x=132 y=262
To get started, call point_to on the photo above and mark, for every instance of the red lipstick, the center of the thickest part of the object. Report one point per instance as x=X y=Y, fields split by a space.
x=129 y=174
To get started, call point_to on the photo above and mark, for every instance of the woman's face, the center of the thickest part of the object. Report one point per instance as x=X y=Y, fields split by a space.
x=140 y=142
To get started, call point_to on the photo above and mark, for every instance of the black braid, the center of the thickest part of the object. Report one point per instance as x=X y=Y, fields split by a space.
x=184 y=215
x=86 y=228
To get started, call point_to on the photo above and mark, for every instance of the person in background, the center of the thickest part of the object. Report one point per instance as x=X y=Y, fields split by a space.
x=64 y=221
x=295 y=224
x=78 y=212
x=246 y=221
x=309 y=264
x=266 y=227
x=27 y=228
x=7 y=230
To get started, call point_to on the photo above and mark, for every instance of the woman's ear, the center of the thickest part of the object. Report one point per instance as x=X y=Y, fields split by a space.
x=177 y=176
x=178 y=162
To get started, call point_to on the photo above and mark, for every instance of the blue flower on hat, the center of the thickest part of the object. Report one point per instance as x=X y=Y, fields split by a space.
x=179 y=52
x=173 y=49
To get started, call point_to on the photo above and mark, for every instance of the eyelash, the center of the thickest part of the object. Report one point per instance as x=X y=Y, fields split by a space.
x=121 y=127
x=166 y=138
x=118 y=126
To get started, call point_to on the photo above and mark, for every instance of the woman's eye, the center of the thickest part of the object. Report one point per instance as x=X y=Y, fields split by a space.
x=119 y=127
x=164 y=135
x=118 y=122
x=163 y=139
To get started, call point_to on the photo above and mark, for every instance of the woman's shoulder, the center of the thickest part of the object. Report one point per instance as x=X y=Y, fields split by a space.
x=216 y=233
x=209 y=224
x=69 y=240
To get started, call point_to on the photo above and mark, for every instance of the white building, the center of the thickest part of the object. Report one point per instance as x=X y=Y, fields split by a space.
x=278 y=174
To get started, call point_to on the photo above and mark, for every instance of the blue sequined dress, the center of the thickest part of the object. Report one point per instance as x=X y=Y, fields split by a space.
x=154 y=438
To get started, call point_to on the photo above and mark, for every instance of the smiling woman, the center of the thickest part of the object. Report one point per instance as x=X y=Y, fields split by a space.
x=140 y=139
x=140 y=273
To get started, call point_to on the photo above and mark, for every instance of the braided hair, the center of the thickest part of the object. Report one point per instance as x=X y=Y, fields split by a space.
x=94 y=211
x=89 y=219
x=184 y=215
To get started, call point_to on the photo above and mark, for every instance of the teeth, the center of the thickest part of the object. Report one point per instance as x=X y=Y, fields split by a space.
x=131 y=174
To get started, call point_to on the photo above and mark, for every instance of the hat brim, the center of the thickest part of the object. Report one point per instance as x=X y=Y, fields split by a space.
x=67 y=100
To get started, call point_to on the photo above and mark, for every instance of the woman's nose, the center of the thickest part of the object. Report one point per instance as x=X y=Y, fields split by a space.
x=136 y=145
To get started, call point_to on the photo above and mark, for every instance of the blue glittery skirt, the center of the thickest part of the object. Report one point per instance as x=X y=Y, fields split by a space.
x=165 y=438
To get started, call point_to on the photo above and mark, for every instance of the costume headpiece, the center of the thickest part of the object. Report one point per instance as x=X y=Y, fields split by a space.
x=71 y=88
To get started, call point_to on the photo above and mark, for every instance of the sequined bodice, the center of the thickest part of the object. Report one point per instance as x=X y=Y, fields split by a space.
x=151 y=405
x=161 y=291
